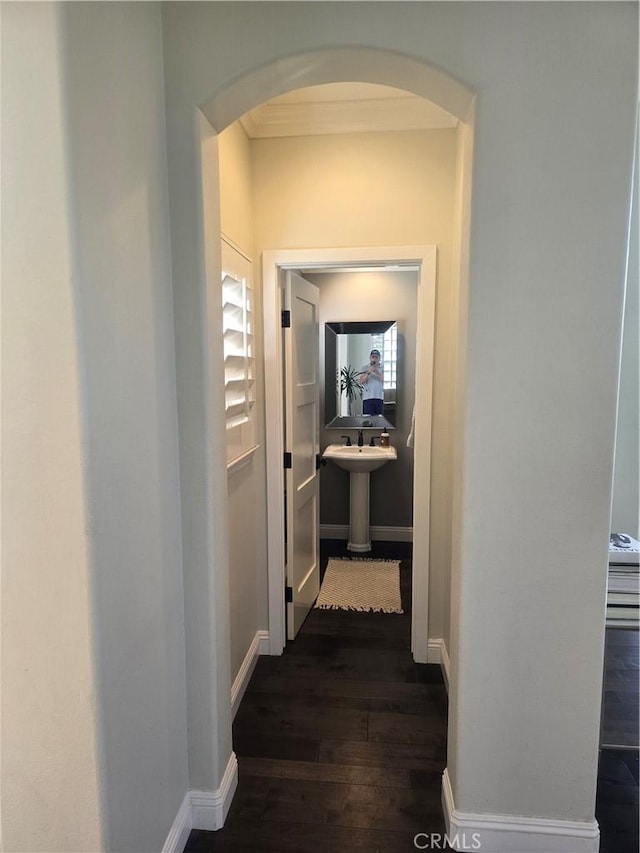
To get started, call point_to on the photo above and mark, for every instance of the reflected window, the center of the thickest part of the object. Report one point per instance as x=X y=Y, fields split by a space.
x=387 y=344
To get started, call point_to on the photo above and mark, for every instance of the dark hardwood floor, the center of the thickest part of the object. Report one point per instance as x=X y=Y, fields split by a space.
x=617 y=795
x=617 y=801
x=620 y=721
x=341 y=743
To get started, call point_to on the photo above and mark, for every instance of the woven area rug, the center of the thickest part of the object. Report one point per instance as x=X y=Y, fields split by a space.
x=361 y=584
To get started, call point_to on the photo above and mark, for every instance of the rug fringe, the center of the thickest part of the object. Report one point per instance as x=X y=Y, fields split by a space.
x=358 y=609
x=363 y=560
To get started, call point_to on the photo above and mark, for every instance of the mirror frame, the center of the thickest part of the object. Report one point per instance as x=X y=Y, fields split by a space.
x=331 y=332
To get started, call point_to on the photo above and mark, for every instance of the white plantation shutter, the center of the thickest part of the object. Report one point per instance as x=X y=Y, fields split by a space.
x=237 y=320
x=239 y=350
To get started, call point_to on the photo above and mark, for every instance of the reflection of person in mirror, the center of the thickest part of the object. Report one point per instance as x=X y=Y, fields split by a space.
x=371 y=378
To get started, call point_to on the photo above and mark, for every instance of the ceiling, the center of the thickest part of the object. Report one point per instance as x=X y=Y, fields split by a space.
x=344 y=108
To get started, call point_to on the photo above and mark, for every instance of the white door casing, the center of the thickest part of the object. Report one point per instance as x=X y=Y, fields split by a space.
x=302 y=442
x=274 y=262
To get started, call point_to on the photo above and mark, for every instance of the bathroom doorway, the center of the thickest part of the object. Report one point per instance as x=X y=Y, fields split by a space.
x=421 y=259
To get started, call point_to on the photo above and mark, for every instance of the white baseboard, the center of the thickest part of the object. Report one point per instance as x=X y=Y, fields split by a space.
x=496 y=833
x=209 y=808
x=379 y=534
x=203 y=809
x=259 y=646
x=180 y=829
x=437 y=653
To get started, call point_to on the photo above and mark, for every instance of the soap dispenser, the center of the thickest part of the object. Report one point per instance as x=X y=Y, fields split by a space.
x=384 y=439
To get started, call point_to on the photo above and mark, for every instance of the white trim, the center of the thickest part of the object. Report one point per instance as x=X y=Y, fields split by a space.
x=259 y=646
x=180 y=829
x=236 y=247
x=378 y=533
x=274 y=442
x=422 y=442
x=203 y=809
x=337 y=65
x=273 y=261
x=437 y=653
x=239 y=462
x=209 y=808
x=515 y=834
x=281 y=117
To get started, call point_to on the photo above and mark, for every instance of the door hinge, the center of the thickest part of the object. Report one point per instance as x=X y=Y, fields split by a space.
x=288 y=462
x=286 y=318
x=288 y=594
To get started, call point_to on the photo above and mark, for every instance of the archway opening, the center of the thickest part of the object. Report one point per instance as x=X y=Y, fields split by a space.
x=318 y=68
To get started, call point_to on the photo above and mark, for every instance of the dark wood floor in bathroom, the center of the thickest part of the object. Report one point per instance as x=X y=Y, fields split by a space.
x=341 y=743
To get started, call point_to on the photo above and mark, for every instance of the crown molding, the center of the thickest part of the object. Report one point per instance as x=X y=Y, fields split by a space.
x=312 y=118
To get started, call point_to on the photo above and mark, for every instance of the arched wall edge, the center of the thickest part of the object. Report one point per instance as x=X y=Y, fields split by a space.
x=335 y=65
x=226 y=106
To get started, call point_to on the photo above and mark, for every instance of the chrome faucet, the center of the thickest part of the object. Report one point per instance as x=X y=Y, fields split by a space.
x=360 y=438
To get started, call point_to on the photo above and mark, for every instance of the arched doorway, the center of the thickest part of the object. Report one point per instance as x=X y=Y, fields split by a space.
x=224 y=107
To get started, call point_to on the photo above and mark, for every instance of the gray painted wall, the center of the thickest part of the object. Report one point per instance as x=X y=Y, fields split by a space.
x=50 y=768
x=93 y=438
x=125 y=321
x=387 y=296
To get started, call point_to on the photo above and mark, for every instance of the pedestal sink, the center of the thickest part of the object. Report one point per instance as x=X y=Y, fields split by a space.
x=359 y=462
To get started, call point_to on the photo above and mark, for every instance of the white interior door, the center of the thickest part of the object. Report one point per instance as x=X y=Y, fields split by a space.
x=302 y=442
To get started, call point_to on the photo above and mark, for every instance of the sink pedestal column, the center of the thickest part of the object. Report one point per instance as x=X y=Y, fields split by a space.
x=359 y=462
x=359 y=513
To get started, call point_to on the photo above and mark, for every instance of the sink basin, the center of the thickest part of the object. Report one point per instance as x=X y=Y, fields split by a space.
x=359 y=460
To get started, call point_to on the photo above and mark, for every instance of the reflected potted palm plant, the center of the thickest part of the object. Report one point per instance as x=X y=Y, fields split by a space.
x=350 y=387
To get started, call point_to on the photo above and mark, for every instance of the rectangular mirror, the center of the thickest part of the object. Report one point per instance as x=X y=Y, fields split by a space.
x=361 y=374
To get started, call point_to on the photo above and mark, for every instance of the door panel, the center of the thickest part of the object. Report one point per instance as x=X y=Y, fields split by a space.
x=302 y=394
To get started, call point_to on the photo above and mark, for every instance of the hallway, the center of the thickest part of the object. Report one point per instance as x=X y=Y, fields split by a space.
x=341 y=741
